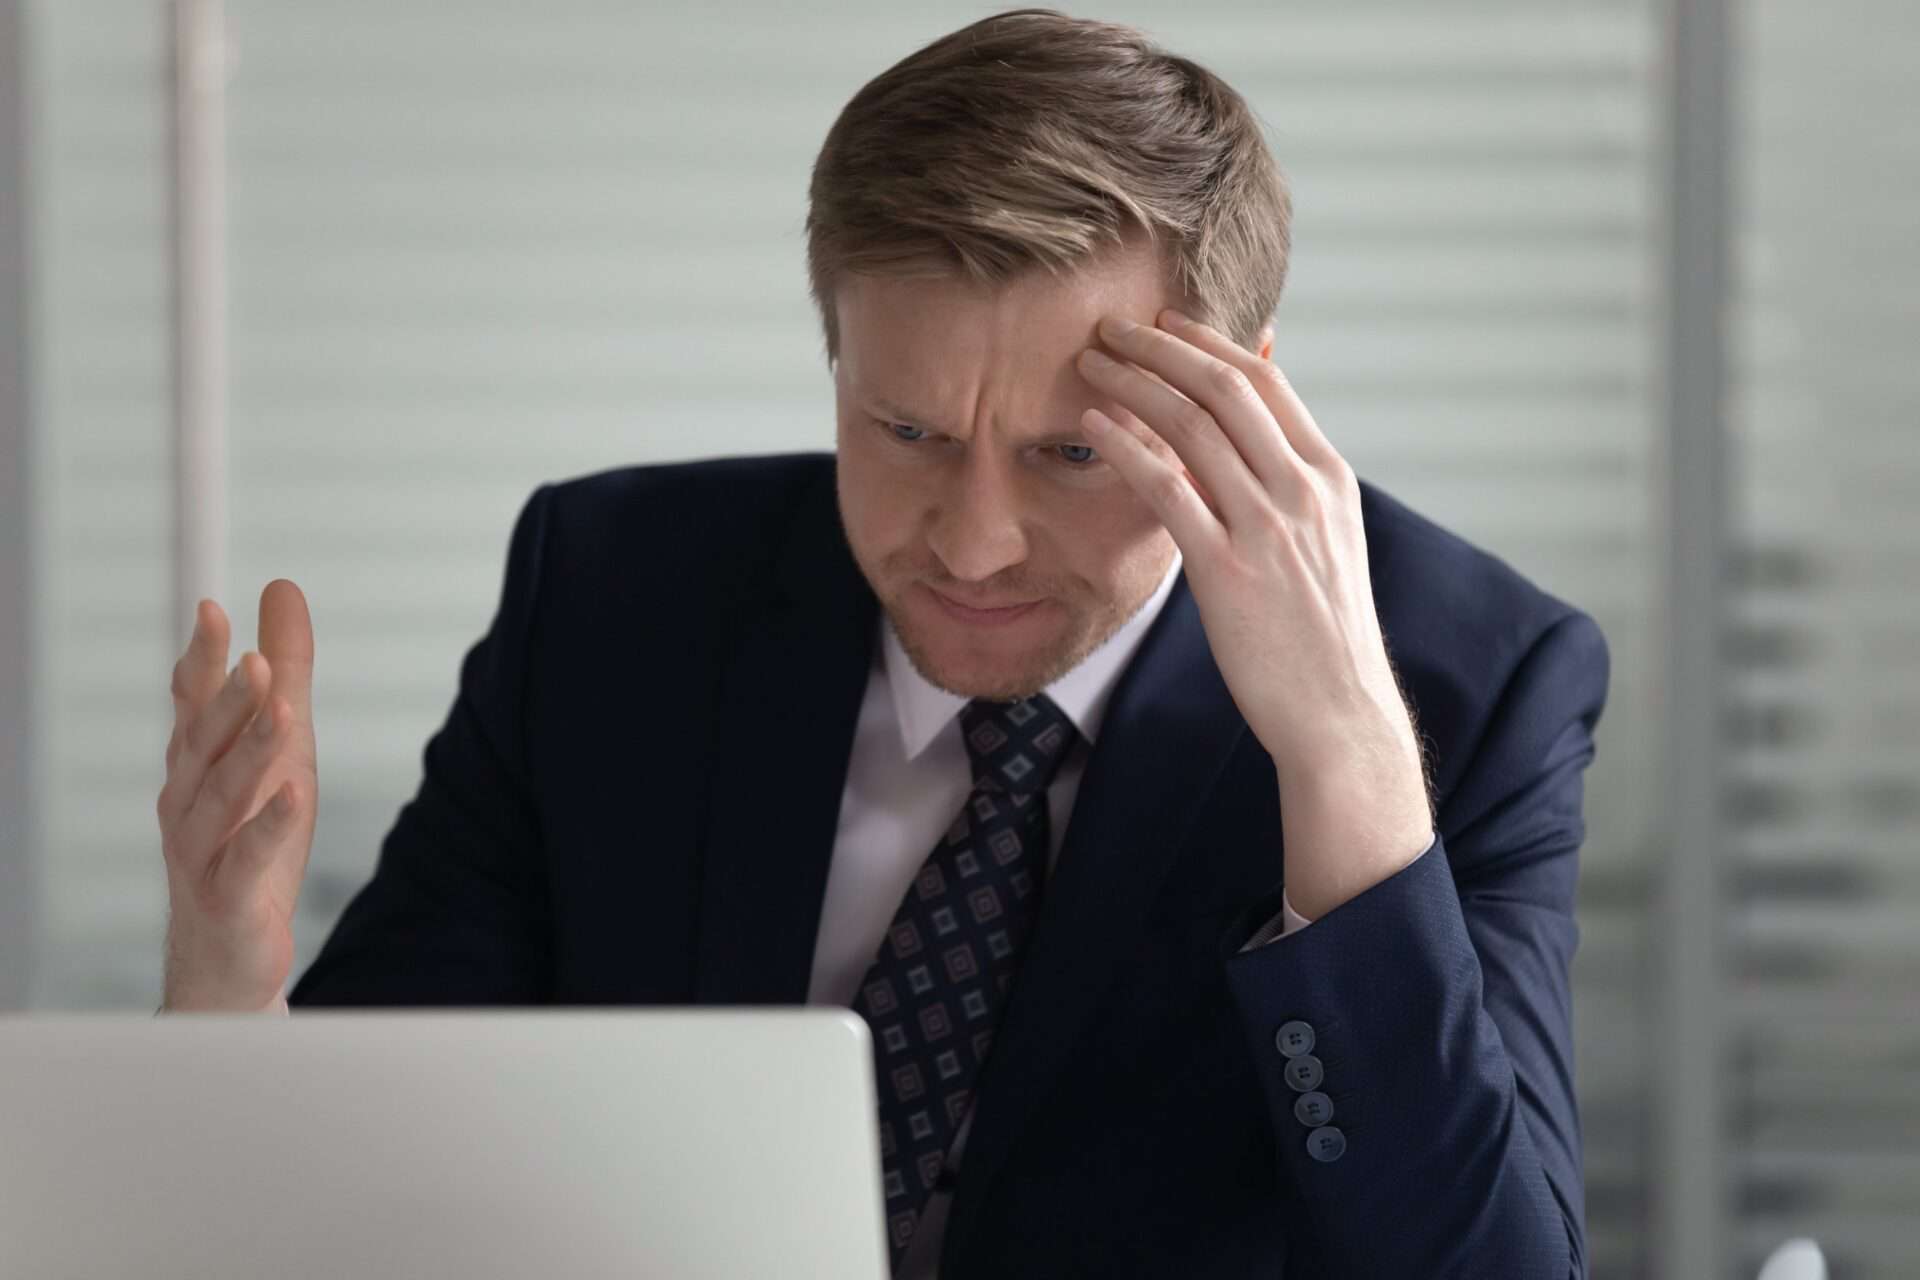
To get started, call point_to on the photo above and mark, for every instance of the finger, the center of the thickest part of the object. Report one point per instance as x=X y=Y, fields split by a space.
x=1162 y=450
x=1160 y=483
x=198 y=672
x=232 y=788
x=1188 y=429
x=286 y=640
x=212 y=731
x=261 y=841
x=1223 y=389
x=1275 y=389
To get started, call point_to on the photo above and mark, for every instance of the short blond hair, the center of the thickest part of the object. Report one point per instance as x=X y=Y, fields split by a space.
x=1032 y=139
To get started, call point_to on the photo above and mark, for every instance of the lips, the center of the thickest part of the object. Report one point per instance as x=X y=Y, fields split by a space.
x=984 y=606
x=976 y=615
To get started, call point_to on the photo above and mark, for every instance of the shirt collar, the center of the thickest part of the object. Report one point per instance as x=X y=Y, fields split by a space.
x=924 y=709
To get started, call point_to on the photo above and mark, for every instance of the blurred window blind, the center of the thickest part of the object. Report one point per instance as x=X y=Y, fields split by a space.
x=98 y=331
x=480 y=246
x=1825 y=790
x=1470 y=316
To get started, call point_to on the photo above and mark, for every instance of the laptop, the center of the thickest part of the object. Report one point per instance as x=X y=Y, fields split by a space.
x=683 y=1143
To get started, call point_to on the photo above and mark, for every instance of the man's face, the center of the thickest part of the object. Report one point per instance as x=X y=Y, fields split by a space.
x=965 y=479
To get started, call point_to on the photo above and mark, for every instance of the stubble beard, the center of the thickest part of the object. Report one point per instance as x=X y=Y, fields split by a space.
x=1036 y=671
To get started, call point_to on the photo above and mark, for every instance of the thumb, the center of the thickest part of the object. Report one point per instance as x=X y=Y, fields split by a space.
x=286 y=642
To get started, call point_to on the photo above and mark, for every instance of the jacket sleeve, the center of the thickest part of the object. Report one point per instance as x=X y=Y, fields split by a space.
x=1440 y=1014
x=456 y=911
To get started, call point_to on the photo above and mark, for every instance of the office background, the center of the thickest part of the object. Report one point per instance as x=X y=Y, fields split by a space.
x=1624 y=290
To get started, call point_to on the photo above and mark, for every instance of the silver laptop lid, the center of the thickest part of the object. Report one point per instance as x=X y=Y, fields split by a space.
x=675 y=1143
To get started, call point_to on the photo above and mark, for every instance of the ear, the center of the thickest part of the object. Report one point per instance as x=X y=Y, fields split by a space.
x=1266 y=342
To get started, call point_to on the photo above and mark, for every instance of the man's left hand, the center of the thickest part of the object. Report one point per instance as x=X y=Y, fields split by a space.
x=1267 y=517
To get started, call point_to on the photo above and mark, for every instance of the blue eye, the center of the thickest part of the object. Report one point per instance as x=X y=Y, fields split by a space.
x=1076 y=456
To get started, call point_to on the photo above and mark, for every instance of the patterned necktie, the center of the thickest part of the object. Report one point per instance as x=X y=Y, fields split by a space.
x=934 y=993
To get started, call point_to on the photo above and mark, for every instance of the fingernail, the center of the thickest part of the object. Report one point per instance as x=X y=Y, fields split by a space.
x=1118 y=325
x=1097 y=359
x=282 y=803
x=1180 y=318
x=263 y=723
x=239 y=677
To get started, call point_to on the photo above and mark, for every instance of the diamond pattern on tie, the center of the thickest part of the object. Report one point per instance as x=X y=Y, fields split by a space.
x=934 y=992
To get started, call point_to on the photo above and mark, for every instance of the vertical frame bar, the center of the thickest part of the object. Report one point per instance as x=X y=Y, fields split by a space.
x=199 y=191
x=1689 y=1191
x=19 y=834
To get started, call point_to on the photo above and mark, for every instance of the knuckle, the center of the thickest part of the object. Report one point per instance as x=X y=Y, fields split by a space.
x=1268 y=377
x=1229 y=381
x=1169 y=490
x=1332 y=482
x=1299 y=487
x=1191 y=420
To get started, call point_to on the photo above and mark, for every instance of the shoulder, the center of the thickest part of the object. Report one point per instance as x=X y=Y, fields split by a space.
x=1442 y=591
x=1466 y=629
x=734 y=498
x=707 y=524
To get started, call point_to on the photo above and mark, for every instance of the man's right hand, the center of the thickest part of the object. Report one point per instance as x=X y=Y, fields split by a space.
x=237 y=810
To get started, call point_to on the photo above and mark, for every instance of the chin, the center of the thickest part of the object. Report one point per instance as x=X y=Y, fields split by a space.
x=975 y=680
x=983 y=668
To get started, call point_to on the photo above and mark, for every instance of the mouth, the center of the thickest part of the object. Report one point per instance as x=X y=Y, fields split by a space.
x=984 y=615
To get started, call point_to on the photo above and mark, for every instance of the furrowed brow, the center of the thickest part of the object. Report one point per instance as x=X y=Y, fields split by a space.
x=899 y=414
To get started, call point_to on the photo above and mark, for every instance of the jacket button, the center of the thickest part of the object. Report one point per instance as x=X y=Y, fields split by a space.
x=1326 y=1144
x=1294 y=1039
x=1304 y=1074
x=1313 y=1109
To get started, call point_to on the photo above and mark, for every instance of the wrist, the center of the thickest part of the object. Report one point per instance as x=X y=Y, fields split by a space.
x=207 y=971
x=200 y=997
x=1347 y=829
x=1381 y=772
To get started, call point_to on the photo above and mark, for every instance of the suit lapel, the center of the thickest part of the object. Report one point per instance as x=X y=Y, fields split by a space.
x=789 y=703
x=1168 y=734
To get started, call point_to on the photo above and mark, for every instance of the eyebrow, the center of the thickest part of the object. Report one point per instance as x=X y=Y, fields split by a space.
x=893 y=410
x=909 y=418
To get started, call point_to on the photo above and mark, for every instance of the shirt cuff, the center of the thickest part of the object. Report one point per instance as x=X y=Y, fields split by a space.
x=1286 y=923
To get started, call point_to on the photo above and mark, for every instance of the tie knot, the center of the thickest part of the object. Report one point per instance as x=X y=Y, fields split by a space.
x=1016 y=746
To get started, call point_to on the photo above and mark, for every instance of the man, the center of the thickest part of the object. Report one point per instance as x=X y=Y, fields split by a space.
x=1253 y=798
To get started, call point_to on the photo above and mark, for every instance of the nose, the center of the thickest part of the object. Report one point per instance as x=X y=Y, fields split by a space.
x=976 y=528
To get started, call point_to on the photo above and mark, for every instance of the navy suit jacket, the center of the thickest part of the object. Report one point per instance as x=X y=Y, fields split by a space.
x=634 y=797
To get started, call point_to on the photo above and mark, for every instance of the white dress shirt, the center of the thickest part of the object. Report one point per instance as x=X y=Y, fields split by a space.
x=906 y=779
